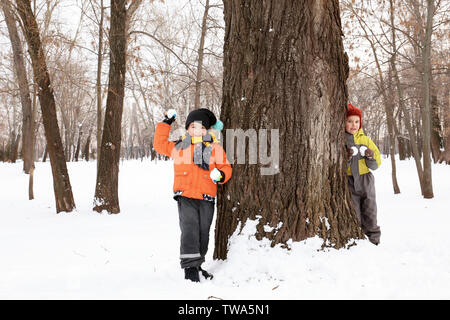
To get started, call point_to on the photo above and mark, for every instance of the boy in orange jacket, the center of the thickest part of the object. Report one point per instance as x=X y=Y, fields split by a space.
x=200 y=164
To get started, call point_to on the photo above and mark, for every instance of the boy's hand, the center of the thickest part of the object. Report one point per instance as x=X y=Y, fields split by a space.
x=369 y=153
x=351 y=152
x=169 y=116
x=217 y=176
x=366 y=152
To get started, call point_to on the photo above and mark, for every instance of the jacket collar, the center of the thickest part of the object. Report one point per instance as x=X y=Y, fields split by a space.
x=358 y=133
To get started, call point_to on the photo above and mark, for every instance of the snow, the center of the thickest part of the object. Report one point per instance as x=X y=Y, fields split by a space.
x=134 y=255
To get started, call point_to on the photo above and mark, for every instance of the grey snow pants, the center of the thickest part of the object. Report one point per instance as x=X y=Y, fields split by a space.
x=195 y=221
x=366 y=206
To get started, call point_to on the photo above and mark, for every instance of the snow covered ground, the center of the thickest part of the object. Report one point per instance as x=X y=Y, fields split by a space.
x=134 y=255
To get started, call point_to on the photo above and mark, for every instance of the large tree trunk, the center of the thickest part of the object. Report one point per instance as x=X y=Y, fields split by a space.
x=61 y=183
x=285 y=68
x=106 y=191
x=21 y=74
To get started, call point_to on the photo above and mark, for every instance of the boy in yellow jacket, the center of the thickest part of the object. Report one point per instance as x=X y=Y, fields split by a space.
x=363 y=156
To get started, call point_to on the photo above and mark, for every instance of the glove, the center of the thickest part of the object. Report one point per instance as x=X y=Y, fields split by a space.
x=217 y=175
x=169 y=116
x=351 y=152
x=368 y=153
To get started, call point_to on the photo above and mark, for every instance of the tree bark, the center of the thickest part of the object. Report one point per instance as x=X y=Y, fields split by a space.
x=106 y=191
x=44 y=158
x=15 y=139
x=201 y=48
x=21 y=74
x=77 y=150
x=445 y=156
x=436 y=139
x=426 y=108
x=61 y=182
x=285 y=68
x=86 y=148
x=389 y=108
x=30 y=184
x=99 y=83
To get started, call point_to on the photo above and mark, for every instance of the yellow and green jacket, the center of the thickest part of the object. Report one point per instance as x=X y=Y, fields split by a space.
x=364 y=165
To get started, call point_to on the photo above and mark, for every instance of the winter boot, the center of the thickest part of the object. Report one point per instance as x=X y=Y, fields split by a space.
x=191 y=274
x=375 y=241
x=206 y=274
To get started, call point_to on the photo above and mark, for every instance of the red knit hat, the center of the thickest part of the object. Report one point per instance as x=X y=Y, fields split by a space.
x=354 y=111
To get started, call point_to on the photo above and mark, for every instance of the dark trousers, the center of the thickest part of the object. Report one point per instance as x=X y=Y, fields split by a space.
x=195 y=221
x=365 y=205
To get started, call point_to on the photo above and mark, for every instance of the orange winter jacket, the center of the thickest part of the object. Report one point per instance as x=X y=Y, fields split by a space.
x=193 y=181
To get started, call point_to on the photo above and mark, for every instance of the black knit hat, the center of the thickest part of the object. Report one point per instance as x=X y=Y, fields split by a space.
x=205 y=116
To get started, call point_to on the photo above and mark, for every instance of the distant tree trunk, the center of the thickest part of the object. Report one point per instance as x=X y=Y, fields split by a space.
x=87 y=146
x=404 y=112
x=21 y=74
x=33 y=144
x=3 y=153
x=285 y=68
x=44 y=158
x=106 y=191
x=61 y=182
x=400 y=139
x=138 y=132
x=99 y=83
x=426 y=104
x=201 y=48
x=77 y=150
x=67 y=140
x=389 y=110
x=30 y=184
x=14 y=146
x=445 y=156
x=418 y=129
x=436 y=139
x=131 y=134
x=390 y=123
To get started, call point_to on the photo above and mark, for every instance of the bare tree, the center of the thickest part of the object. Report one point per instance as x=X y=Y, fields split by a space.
x=61 y=182
x=20 y=71
x=106 y=190
x=98 y=85
x=426 y=106
x=285 y=68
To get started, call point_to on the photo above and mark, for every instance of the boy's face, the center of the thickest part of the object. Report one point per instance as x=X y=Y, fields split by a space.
x=196 y=129
x=352 y=124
